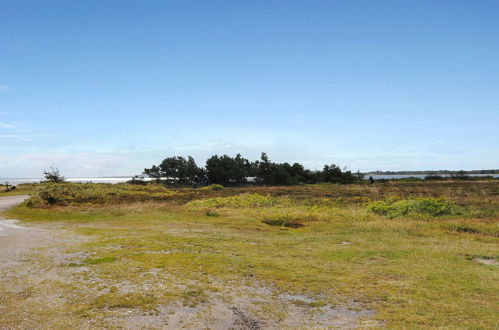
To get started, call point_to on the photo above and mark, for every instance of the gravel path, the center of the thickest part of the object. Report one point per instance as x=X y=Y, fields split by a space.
x=29 y=258
x=10 y=201
x=8 y=226
x=16 y=240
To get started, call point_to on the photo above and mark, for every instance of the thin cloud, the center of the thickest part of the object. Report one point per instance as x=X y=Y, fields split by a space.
x=9 y=136
x=4 y=88
x=15 y=137
x=18 y=137
x=5 y=125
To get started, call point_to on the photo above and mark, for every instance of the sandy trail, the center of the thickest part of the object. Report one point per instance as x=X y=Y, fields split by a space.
x=16 y=240
x=7 y=226
x=27 y=269
x=10 y=201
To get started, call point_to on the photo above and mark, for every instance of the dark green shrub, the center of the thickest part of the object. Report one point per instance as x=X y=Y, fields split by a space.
x=36 y=202
x=212 y=214
x=292 y=223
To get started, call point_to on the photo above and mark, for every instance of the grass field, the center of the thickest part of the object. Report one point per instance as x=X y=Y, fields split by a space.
x=399 y=254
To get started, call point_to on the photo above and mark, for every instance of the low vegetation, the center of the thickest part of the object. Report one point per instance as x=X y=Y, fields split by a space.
x=426 y=207
x=215 y=187
x=410 y=251
x=240 y=201
x=64 y=194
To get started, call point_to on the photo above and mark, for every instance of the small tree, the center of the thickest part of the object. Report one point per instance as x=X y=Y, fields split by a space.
x=176 y=170
x=53 y=176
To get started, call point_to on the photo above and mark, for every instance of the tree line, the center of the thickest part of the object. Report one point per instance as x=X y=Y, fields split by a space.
x=226 y=170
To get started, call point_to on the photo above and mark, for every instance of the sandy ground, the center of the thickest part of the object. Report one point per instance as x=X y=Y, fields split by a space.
x=28 y=265
x=33 y=277
x=10 y=201
x=13 y=242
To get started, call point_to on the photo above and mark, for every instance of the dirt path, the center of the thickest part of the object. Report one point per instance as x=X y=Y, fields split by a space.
x=12 y=245
x=10 y=201
x=28 y=271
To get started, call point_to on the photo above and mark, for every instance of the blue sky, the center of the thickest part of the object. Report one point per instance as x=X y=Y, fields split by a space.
x=100 y=88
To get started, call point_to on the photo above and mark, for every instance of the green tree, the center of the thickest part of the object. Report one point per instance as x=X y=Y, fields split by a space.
x=332 y=173
x=226 y=170
x=176 y=169
x=273 y=173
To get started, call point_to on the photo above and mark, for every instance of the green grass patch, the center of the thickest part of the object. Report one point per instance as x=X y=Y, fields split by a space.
x=96 y=261
x=146 y=302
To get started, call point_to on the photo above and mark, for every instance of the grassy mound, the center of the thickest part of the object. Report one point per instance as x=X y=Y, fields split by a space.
x=86 y=193
x=215 y=187
x=397 y=207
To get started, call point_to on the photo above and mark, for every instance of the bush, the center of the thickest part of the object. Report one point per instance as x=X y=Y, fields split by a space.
x=215 y=187
x=212 y=214
x=292 y=223
x=397 y=207
x=36 y=202
x=53 y=176
x=294 y=218
x=434 y=206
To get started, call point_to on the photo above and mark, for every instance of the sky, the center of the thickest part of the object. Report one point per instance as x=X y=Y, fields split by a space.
x=104 y=88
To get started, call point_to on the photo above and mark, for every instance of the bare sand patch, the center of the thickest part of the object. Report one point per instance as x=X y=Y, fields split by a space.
x=490 y=262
